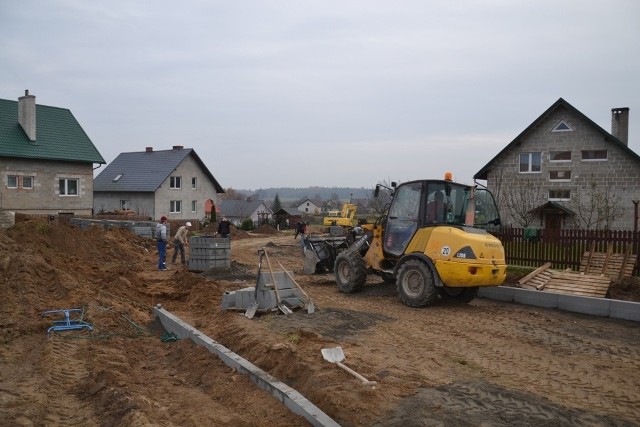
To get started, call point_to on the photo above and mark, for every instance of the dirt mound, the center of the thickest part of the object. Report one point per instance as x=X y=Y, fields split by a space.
x=483 y=363
x=265 y=229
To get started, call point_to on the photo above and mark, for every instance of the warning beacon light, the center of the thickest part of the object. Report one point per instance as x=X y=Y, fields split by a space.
x=448 y=176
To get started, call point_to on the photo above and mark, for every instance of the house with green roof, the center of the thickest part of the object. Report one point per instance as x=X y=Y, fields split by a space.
x=565 y=171
x=46 y=160
x=174 y=183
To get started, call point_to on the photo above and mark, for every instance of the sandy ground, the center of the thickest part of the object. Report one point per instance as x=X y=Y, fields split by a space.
x=484 y=363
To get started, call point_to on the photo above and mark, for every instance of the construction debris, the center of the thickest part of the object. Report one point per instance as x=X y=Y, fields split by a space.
x=597 y=271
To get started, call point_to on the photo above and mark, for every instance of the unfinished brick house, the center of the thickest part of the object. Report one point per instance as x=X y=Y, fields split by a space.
x=565 y=171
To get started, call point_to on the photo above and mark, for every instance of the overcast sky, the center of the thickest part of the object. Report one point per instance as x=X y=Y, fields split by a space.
x=327 y=93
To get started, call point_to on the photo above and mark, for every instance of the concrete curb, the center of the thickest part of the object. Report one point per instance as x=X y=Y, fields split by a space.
x=615 y=309
x=293 y=400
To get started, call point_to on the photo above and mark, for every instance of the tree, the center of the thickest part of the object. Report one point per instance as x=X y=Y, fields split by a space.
x=520 y=199
x=231 y=194
x=378 y=205
x=596 y=206
x=277 y=205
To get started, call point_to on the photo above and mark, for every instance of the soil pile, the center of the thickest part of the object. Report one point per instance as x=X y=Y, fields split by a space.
x=485 y=362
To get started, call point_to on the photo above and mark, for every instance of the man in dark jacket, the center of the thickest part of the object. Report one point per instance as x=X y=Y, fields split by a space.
x=224 y=228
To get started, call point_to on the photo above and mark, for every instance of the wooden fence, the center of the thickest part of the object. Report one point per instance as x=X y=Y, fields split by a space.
x=528 y=248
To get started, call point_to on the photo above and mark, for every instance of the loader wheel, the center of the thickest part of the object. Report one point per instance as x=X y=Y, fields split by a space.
x=350 y=271
x=462 y=295
x=415 y=284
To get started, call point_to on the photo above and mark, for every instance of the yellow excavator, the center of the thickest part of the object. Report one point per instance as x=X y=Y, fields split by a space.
x=432 y=242
x=344 y=218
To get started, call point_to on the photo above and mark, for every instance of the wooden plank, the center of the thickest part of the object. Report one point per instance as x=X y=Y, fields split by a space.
x=534 y=273
x=578 y=284
x=606 y=260
x=588 y=264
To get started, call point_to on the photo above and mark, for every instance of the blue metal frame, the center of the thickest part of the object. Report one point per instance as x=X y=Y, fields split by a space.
x=67 y=323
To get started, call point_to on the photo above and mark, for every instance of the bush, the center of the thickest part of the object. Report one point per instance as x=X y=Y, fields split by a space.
x=247 y=225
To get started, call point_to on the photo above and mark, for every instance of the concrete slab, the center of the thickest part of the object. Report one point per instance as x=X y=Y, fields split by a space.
x=535 y=298
x=625 y=310
x=292 y=399
x=615 y=309
x=585 y=305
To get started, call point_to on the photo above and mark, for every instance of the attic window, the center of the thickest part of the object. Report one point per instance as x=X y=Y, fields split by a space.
x=562 y=127
x=117 y=178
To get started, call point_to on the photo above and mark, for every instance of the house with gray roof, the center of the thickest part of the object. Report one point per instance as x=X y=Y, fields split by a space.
x=237 y=211
x=173 y=183
x=46 y=159
x=565 y=171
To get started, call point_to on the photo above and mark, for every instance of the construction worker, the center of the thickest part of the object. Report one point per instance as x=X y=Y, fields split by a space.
x=179 y=242
x=161 y=237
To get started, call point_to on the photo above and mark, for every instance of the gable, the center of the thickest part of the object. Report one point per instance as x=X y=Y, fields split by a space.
x=59 y=136
x=145 y=171
x=559 y=125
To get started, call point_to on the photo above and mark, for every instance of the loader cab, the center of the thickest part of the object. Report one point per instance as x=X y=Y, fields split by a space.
x=433 y=203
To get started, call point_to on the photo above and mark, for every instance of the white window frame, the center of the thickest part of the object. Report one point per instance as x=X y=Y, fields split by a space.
x=559 y=199
x=175 y=182
x=560 y=123
x=530 y=162
x=65 y=192
x=561 y=161
x=194 y=183
x=194 y=206
x=175 y=206
x=28 y=177
x=594 y=160
x=9 y=178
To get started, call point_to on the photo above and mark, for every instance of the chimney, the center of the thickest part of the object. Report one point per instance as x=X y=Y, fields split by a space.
x=27 y=114
x=178 y=147
x=149 y=150
x=620 y=124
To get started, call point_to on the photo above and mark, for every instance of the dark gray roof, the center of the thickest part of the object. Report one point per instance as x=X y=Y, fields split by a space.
x=240 y=208
x=145 y=171
x=482 y=173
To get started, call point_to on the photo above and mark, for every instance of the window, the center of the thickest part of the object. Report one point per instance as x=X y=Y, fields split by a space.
x=68 y=187
x=27 y=182
x=194 y=183
x=12 y=181
x=560 y=175
x=559 y=156
x=562 y=127
x=117 y=177
x=530 y=162
x=594 y=155
x=175 y=206
x=194 y=206
x=124 y=205
x=175 y=182
x=559 y=195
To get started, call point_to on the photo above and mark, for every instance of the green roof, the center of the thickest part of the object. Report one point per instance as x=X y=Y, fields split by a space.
x=59 y=136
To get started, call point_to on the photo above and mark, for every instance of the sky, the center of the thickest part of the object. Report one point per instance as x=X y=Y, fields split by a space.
x=286 y=93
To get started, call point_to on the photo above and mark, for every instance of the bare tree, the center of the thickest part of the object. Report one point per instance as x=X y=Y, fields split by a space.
x=520 y=199
x=378 y=205
x=596 y=205
x=231 y=194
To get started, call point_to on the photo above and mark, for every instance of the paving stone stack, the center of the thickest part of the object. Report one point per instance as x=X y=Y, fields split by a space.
x=207 y=252
x=7 y=219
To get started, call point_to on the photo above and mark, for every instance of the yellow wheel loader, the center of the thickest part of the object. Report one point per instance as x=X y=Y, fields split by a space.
x=343 y=218
x=433 y=242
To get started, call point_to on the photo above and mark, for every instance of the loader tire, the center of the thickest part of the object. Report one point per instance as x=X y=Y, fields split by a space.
x=461 y=295
x=415 y=284
x=350 y=272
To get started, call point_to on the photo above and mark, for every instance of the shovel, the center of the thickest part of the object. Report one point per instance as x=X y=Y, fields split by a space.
x=335 y=355
x=251 y=310
x=283 y=308
x=311 y=308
